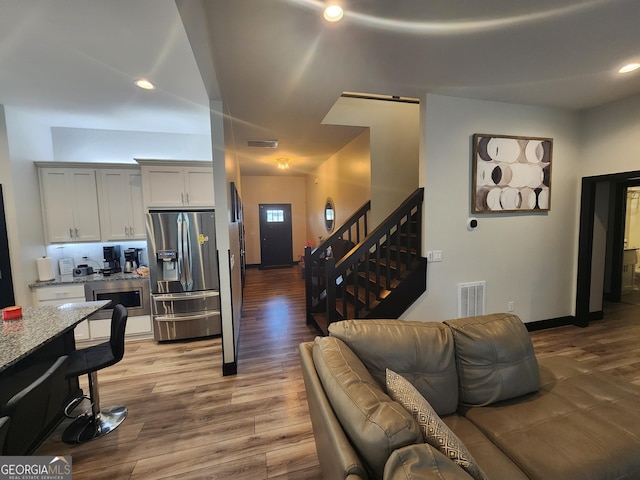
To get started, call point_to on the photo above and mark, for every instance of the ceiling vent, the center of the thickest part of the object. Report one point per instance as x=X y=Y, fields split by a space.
x=263 y=143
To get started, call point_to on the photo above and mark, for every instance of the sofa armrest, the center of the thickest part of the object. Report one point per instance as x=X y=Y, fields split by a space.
x=422 y=462
x=336 y=455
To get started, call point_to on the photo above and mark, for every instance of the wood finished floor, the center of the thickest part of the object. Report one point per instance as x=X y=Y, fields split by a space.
x=188 y=421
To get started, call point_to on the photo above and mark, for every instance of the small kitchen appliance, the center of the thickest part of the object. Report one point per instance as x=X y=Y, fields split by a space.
x=82 y=271
x=111 y=260
x=132 y=259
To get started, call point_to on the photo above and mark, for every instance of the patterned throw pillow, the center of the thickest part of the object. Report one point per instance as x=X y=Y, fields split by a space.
x=435 y=431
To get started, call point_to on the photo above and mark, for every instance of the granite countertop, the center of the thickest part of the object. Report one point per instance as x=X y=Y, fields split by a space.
x=96 y=277
x=38 y=326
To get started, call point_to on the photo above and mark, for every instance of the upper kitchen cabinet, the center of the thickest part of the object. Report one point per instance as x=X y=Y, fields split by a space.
x=177 y=184
x=121 y=205
x=69 y=204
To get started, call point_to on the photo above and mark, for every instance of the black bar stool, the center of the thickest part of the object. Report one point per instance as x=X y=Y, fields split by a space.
x=96 y=422
x=29 y=409
x=4 y=429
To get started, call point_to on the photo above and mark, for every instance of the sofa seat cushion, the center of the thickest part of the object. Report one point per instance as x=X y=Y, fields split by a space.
x=422 y=352
x=580 y=425
x=375 y=424
x=435 y=432
x=495 y=358
x=495 y=464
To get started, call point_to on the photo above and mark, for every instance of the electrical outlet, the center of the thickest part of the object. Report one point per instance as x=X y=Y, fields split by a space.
x=511 y=306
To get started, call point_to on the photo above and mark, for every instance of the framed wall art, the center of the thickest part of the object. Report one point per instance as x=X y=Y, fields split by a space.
x=511 y=174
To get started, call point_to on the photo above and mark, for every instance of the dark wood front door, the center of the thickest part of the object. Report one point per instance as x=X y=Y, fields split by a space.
x=276 y=244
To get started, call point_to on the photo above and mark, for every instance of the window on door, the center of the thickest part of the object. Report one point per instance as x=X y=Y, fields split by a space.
x=275 y=216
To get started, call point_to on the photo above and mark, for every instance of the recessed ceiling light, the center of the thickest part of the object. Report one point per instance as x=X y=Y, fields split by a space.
x=333 y=12
x=144 y=83
x=629 y=68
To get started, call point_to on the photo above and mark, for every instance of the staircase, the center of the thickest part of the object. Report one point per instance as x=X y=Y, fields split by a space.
x=356 y=274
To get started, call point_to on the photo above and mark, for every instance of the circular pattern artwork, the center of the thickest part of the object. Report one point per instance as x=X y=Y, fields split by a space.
x=511 y=174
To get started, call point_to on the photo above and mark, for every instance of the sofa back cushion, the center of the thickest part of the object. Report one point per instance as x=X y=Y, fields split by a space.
x=495 y=358
x=375 y=424
x=422 y=352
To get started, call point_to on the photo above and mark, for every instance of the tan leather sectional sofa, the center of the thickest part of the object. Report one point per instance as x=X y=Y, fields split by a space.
x=518 y=417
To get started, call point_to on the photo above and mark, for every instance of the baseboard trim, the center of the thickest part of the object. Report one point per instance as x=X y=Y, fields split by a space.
x=599 y=315
x=229 y=369
x=550 y=323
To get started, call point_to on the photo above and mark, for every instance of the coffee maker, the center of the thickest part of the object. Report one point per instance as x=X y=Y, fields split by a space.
x=132 y=259
x=111 y=260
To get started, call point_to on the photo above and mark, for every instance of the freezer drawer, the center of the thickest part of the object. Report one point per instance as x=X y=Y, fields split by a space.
x=194 y=325
x=186 y=315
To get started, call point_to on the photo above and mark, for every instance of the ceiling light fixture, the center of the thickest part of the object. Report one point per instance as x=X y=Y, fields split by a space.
x=145 y=84
x=333 y=12
x=283 y=163
x=630 y=67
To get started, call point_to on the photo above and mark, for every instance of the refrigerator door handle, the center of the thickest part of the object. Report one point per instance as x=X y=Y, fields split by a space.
x=184 y=252
x=181 y=252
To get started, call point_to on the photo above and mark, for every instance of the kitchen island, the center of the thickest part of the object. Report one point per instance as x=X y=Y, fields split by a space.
x=30 y=345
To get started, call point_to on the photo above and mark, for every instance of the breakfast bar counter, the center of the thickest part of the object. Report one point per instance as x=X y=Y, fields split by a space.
x=29 y=346
x=38 y=326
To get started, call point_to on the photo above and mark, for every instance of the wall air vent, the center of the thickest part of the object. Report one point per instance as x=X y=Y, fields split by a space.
x=263 y=143
x=471 y=299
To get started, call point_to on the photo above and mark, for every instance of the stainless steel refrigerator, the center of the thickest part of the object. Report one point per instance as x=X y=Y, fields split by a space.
x=183 y=274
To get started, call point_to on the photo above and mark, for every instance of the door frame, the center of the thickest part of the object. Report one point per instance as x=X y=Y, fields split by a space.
x=5 y=258
x=619 y=182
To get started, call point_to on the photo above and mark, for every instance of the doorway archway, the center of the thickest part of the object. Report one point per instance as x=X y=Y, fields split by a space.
x=602 y=196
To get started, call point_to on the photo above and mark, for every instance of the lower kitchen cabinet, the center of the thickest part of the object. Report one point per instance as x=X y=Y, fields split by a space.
x=138 y=326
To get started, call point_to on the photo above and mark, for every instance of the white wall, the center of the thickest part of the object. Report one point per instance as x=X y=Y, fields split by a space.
x=529 y=259
x=94 y=145
x=29 y=140
x=394 y=131
x=273 y=189
x=346 y=178
x=610 y=138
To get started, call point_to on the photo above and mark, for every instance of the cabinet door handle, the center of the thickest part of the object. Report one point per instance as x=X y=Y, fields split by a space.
x=70 y=232
x=76 y=233
x=126 y=231
x=131 y=231
x=187 y=198
x=182 y=198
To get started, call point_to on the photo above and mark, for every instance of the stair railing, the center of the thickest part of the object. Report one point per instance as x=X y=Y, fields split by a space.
x=353 y=230
x=393 y=247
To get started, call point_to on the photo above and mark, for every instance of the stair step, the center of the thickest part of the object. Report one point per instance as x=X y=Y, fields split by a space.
x=362 y=297
x=373 y=281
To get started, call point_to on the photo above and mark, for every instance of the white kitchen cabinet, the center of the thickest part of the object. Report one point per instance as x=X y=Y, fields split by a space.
x=170 y=185
x=121 y=205
x=137 y=326
x=70 y=204
x=61 y=294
